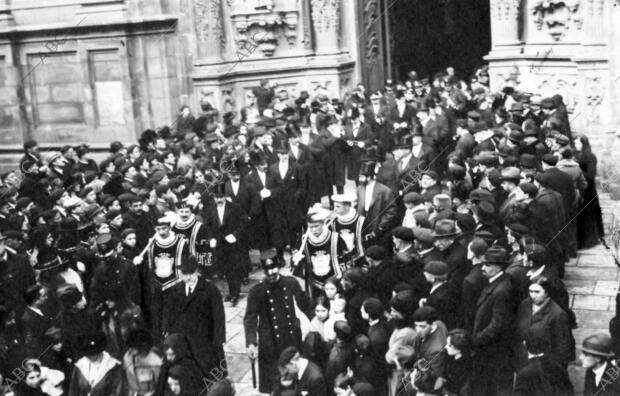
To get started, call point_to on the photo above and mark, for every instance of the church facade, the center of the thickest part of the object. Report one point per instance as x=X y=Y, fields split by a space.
x=95 y=71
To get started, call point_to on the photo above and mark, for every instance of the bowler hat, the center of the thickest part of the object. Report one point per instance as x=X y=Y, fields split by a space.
x=537 y=253
x=403 y=302
x=404 y=142
x=528 y=161
x=496 y=255
x=599 y=345
x=436 y=268
x=375 y=252
x=510 y=173
x=423 y=235
x=404 y=233
x=412 y=197
x=445 y=228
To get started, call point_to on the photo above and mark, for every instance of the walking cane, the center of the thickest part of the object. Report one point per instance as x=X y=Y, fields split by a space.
x=252 y=362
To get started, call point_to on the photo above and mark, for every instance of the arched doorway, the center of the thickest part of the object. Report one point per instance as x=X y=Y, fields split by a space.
x=429 y=35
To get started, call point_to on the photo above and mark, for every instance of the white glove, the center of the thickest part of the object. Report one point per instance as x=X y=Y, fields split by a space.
x=212 y=243
x=138 y=260
x=264 y=193
x=297 y=256
x=80 y=266
x=360 y=144
x=230 y=238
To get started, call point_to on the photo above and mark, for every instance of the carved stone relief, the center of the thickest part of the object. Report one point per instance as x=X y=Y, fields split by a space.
x=567 y=87
x=594 y=93
x=557 y=16
x=208 y=20
x=326 y=15
x=372 y=43
x=503 y=10
x=266 y=22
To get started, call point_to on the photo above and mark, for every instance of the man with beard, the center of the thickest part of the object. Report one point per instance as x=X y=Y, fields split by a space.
x=197 y=236
x=323 y=252
x=270 y=320
x=348 y=224
x=376 y=203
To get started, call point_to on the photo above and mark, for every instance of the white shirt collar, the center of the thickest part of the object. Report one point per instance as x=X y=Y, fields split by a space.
x=37 y=310
x=303 y=365
x=533 y=274
x=598 y=373
x=368 y=197
x=493 y=279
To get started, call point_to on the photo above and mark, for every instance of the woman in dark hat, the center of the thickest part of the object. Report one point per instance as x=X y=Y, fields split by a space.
x=97 y=373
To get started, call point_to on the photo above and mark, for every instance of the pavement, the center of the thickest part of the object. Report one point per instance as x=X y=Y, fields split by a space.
x=591 y=279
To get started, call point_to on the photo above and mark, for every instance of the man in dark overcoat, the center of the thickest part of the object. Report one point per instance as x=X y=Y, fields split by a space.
x=493 y=327
x=270 y=320
x=195 y=309
x=227 y=224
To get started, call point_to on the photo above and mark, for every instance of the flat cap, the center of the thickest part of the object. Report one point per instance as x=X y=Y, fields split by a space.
x=436 y=268
x=404 y=233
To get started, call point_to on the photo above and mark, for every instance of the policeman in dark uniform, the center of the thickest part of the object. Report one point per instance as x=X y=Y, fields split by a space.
x=270 y=320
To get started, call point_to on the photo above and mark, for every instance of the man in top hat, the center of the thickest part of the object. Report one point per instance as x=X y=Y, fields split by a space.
x=227 y=224
x=348 y=224
x=493 y=327
x=285 y=180
x=164 y=255
x=195 y=310
x=270 y=320
x=358 y=135
x=601 y=371
x=256 y=179
x=196 y=234
x=376 y=203
x=322 y=253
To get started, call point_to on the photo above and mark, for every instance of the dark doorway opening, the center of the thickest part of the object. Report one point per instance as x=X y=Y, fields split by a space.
x=430 y=35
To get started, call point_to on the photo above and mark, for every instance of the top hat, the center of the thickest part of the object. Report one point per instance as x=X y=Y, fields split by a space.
x=281 y=146
x=404 y=142
x=218 y=189
x=257 y=158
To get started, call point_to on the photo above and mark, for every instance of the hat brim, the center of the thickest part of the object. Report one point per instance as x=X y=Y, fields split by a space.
x=597 y=353
x=439 y=236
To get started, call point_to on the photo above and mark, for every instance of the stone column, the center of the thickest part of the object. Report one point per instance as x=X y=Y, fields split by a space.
x=208 y=21
x=326 y=24
x=505 y=22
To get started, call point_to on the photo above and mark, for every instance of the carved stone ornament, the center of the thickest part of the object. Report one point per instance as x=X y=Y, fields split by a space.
x=595 y=92
x=266 y=21
x=372 y=42
x=325 y=15
x=208 y=21
x=505 y=10
x=556 y=16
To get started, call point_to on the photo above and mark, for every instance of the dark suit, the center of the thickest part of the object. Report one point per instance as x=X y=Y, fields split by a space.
x=16 y=275
x=493 y=329
x=229 y=257
x=312 y=381
x=259 y=237
x=380 y=214
x=354 y=152
x=34 y=327
x=284 y=207
x=200 y=318
x=445 y=299
x=473 y=284
x=608 y=385
x=542 y=377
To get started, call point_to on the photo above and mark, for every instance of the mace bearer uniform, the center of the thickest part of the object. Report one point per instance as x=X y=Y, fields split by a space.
x=349 y=226
x=197 y=238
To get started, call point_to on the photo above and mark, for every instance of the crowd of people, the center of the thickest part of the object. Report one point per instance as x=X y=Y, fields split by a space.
x=439 y=273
